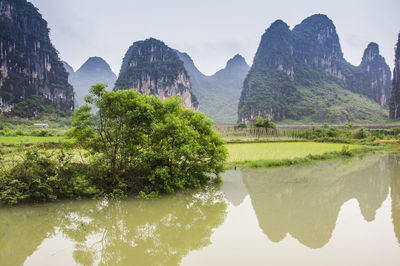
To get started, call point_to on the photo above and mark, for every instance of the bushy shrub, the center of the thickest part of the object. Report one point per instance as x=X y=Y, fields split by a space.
x=349 y=125
x=313 y=133
x=40 y=176
x=362 y=133
x=332 y=132
x=260 y=122
x=19 y=132
x=240 y=126
x=346 y=151
x=145 y=144
x=41 y=133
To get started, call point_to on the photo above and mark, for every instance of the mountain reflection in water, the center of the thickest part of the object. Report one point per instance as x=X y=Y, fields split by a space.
x=302 y=203
x=394 y=168
x=305 y=201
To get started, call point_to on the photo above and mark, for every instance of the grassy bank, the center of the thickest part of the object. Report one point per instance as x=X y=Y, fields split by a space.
x=29 y=139
x=244 y=152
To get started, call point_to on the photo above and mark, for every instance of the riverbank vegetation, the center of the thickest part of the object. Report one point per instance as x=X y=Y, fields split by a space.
x=137 y=144
x=269 y=147
x=141 y=145
x=345 y=134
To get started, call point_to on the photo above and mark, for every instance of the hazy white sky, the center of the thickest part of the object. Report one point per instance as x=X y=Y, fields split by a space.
x=210 y=31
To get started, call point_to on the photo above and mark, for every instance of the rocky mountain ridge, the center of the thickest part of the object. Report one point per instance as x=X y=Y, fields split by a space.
x=29 y=64
x=153 y=68
x=302 y=74
x=394 y=105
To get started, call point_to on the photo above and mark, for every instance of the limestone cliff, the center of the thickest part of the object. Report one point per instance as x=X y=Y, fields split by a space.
x=301 y=74
x=29 y=63
x=378 y=76
x=151 y=67
x=395 y=94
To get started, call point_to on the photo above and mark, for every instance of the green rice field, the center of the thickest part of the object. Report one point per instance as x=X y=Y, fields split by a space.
x=28 y=139
x=276 y=151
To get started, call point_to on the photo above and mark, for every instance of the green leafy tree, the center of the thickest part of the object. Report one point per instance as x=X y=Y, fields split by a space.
x=147 y=145
x=260 y=122
x=349 y=125
x=240 y=126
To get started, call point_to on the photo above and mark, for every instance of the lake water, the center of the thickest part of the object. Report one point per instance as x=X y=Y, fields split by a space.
x=329 y=213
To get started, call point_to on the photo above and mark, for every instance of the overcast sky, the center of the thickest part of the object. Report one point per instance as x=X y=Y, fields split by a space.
x=210 y=31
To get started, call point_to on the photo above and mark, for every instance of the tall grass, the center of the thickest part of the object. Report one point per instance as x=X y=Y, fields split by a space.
x=304 y=132
x=29 y=139
x=229 y=132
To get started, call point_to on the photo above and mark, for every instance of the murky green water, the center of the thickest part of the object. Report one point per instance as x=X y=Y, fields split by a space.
x=331 y=213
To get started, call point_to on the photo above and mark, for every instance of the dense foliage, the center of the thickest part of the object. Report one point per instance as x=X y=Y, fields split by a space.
x=261 y=122
x=35 y=107
x=149 y=145
x=39 y=176
x=333 y=134
x=136 y=144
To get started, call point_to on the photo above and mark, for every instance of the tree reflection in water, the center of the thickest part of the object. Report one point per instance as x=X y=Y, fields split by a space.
x=305 y=201
x=149 y=232
x=302 y=201
x=127 y=232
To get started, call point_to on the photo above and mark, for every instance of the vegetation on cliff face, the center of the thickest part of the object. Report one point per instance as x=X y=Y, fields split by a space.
x=151 y=67
x=94 y=70
x=395 y=95
x=218 y=94
x=301 y=74
x=36 y=107
x=29 y=63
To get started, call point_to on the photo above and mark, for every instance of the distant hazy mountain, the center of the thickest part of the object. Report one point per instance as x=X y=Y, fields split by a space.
x=218 y=94
x=94 y=70
x=69 y=68
x=301 y=74
x=395 y=96
x=29 y=64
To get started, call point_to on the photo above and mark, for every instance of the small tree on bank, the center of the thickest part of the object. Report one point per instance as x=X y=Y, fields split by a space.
x=260 y=122
x=148 y=145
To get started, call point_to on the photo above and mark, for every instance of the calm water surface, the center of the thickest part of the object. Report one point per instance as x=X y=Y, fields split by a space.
x=330 y=213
